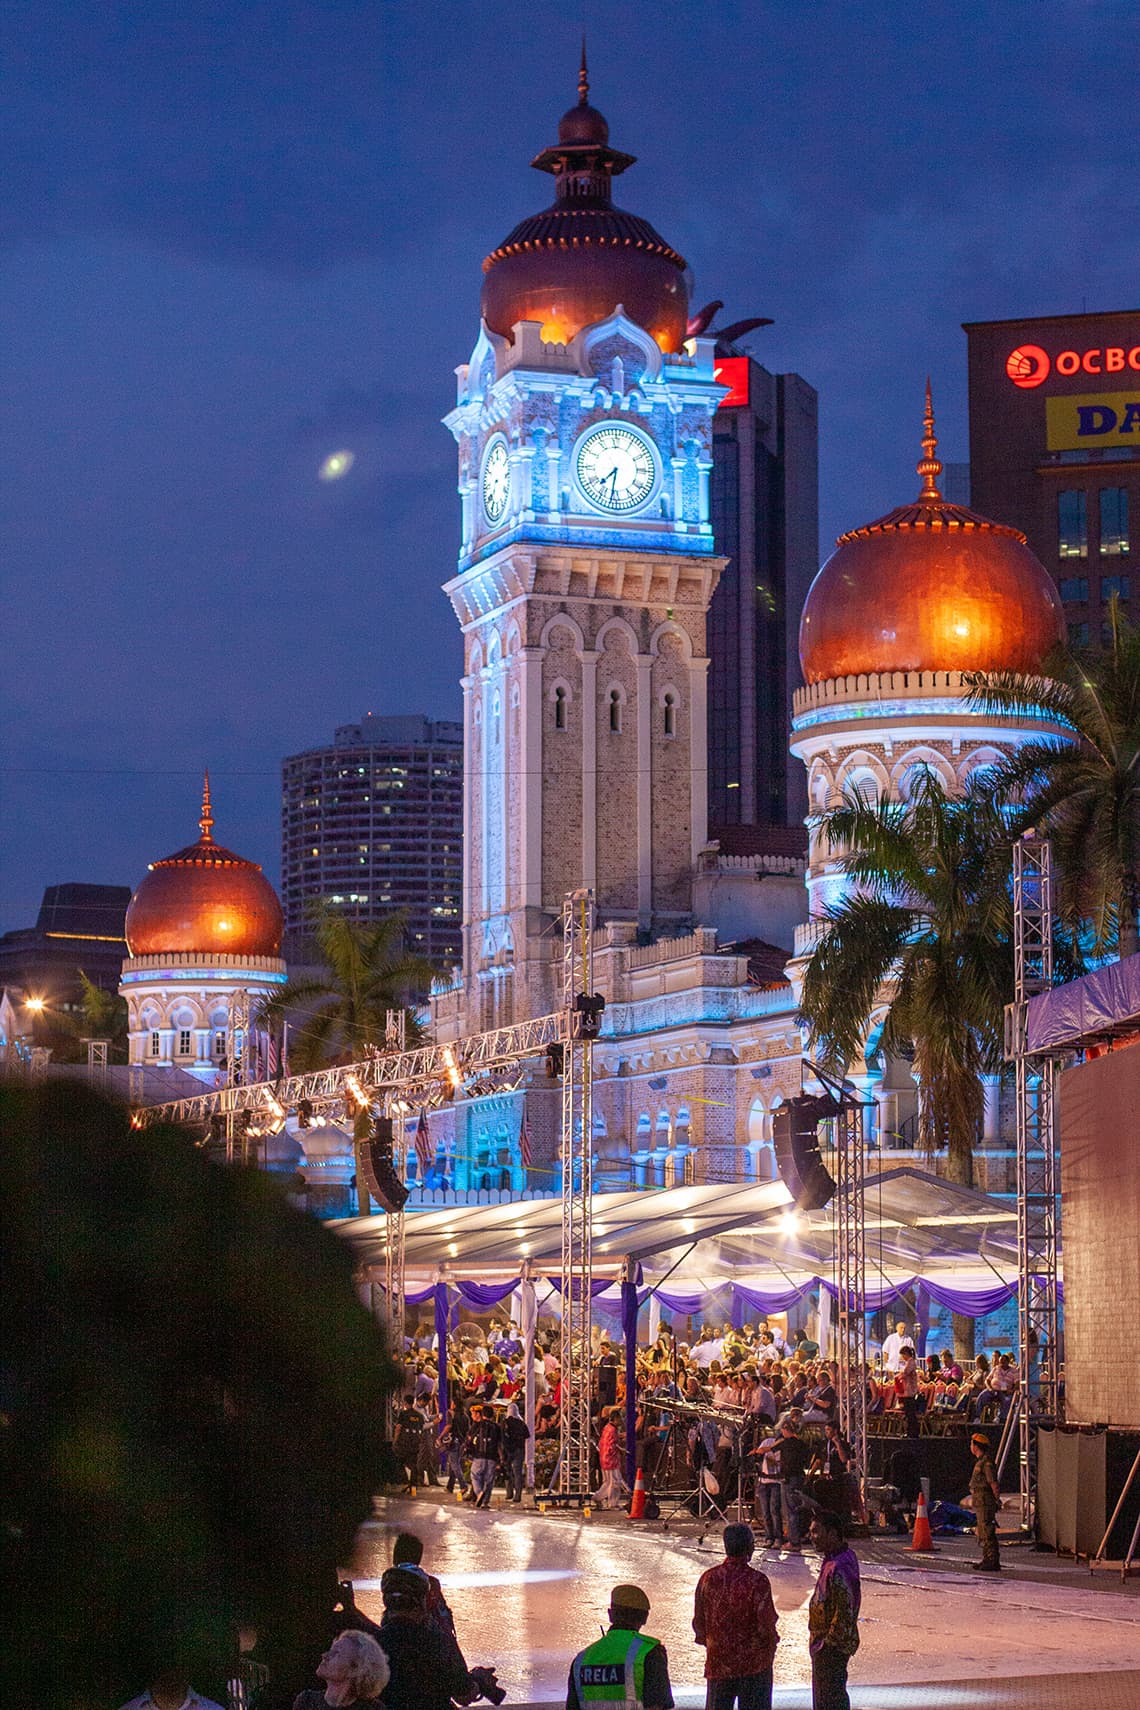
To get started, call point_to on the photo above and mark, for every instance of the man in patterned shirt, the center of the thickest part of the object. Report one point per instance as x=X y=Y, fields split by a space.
x=833 y=1614
x=734 y=1618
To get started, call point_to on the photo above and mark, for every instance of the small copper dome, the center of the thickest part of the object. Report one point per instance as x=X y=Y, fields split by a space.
x=930 y=587
x=577 y=261
x=204 y=900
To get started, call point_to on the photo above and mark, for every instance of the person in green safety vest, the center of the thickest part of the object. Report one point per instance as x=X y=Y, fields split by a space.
x=624 y=1667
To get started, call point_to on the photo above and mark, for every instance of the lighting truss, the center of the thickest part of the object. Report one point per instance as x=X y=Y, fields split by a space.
x=577 y=1199
x=432 y=1073
x=1036 y=1083
x=851 y=1281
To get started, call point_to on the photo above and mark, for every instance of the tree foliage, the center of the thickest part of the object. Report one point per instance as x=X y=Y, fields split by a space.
x=924 y=935
x=337 y=1015
x=193 y=1411
x=1084 y=793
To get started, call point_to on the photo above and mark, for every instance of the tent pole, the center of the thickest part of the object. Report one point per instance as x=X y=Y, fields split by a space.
x=529 y=1319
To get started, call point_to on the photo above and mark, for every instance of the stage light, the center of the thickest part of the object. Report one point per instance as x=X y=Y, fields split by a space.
x=37 y=1005
x=789 y=1223
x=451 y=1068
x=357 y=1093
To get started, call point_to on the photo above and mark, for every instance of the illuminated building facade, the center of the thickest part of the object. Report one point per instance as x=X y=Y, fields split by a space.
x=765 y=517
x=78 y=926
x=587 y=567
x=203 y=925
x=1055 y=451
x=374 y=823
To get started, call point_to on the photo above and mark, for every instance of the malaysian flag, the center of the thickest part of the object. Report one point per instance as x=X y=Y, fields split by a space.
x=423 y=1145
x=524 y=1138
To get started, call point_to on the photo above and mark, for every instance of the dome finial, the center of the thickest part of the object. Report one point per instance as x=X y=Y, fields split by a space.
x=583 y=76
x=206 y=823
x=928 y=465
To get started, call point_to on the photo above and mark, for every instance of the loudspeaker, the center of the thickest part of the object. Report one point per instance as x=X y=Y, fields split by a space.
x=796 y=1143
x=378 y=1169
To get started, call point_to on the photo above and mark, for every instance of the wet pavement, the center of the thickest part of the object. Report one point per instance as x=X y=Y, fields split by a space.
x=528 y=1591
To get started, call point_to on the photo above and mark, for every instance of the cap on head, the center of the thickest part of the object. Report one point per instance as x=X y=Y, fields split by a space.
x=404 y=1587
x=980 y=1438
x=629 y=1597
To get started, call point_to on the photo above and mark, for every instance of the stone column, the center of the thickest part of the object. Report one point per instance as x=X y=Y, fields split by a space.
x=991 y=1110
x=699 y=754
x=644 y=789
x=202 y=1038
x=589 y=767
x=530 y=792
x=165 y=1058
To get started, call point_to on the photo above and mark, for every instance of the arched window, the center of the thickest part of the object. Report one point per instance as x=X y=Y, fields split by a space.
x=560 y=708
x=615 y=712
x=670 y=713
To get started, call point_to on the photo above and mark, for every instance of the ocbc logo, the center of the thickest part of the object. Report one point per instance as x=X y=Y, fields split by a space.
x=1029 y=365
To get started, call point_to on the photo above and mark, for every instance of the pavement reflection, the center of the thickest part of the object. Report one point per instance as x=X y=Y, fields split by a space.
x=529 y=1591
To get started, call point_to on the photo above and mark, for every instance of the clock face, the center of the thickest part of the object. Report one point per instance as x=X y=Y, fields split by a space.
x=615 y=468
x=496 y=480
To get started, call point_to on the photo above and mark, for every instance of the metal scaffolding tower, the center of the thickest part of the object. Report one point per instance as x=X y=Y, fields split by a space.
x=238 y=1057
x=1037 y=1220
x=851 y=1280
x=577 y=1191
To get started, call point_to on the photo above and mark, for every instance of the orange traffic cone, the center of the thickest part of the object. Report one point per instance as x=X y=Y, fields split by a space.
x=637 y=1504
x=922 y=1539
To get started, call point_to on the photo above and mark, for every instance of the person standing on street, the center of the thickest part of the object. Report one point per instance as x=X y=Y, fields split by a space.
x=985 y=1496
x=734 y=1618
x=793 y=1454
x=516 y=1434
x=484 y=1443
x=833 y=1614
x=624 y=1667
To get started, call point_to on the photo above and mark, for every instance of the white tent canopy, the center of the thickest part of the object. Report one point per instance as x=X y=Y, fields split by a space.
x=705 y=1236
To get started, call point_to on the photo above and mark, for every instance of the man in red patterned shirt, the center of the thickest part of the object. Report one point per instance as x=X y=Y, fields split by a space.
x=734 y=1618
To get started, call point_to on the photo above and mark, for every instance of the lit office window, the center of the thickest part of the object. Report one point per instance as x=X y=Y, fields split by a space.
x=1113 y=522
x=1072 y=524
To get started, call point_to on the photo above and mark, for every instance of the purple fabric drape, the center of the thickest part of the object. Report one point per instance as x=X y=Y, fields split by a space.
x=874 y=1297
x=974 y=1302
x=686 y=1305
x=419 y=1296
x=557 y=1284
x=774 y=1299
x=629 y=1309
x=480 y=1297
x=922 y=1318
x=440 y=1293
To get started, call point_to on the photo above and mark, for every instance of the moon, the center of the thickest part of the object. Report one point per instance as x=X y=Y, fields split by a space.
x=336 y=465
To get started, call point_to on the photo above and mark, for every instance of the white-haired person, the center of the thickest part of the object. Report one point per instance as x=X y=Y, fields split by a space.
x=354 y=1670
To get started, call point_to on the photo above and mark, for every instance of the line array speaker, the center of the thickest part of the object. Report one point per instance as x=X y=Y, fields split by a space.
x=795 y=1138
x=378 y=1168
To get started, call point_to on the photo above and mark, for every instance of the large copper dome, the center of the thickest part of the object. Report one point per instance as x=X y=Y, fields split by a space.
x=930 y=587
x=204 y=900
x=576 y=262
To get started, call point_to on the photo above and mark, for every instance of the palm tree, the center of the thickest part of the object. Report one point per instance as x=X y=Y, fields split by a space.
x=368 y=972
x=1084 y=793
x=925 y=932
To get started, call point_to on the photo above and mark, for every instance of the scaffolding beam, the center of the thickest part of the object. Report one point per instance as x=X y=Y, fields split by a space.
x=1037 y=1219
x=434 y=1073
x=577 y=1136
x=851 y=1281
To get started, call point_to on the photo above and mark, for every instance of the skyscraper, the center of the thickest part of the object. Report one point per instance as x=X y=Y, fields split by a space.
x=765 y=517
x=374 y=823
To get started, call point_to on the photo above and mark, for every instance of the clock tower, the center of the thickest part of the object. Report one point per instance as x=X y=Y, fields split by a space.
x=584 y=426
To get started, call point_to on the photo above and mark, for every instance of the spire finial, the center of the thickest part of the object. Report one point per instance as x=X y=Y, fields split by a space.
x=928 y=465
x=583 y=76
x=206 y=823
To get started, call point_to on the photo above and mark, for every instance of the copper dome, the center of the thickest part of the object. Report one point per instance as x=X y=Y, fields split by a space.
x=204 y=900
x=577 y=261
x=930 y=587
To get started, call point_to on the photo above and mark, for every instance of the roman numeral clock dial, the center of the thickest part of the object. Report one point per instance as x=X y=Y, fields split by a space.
x=616 y=468
x=496 y=481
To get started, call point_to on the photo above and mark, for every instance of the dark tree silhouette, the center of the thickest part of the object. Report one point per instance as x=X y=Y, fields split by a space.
x=192 y=1409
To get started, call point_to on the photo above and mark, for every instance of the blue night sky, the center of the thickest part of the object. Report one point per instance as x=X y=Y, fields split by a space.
x=239 y=237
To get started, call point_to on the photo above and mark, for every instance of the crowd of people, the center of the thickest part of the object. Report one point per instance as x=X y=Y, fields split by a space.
x=737 y=1404
x=411 y=1659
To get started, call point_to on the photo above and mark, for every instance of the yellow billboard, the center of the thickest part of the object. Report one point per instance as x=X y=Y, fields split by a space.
x=1093 y=422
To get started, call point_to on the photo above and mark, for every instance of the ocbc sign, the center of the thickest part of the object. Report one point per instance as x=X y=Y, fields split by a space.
x=1029 y=365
